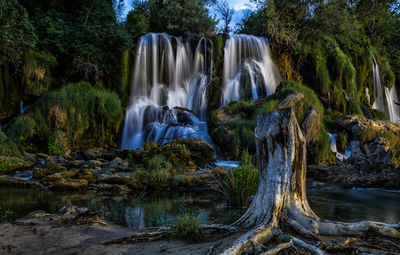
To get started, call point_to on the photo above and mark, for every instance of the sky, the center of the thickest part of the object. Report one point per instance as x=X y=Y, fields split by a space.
x=239 y=6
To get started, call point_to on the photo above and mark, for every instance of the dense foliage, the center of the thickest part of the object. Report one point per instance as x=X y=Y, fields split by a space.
x=332 y=55
x=76 y=116
x=175 y=17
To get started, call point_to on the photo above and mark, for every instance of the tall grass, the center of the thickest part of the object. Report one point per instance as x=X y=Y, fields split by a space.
x=238 y=185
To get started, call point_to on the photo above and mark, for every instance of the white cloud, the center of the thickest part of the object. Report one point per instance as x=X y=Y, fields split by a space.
x=240 y=4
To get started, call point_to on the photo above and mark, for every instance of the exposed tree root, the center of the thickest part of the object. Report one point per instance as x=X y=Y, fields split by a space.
x=307 y=246
x=140 y=237
x=338 y=246
x=278 y=248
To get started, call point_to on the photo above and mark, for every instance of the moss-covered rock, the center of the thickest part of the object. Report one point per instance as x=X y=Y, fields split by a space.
x=10 y=164
x=179 y=156
x=71 y=184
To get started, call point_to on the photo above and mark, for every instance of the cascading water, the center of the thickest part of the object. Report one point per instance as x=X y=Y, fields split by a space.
x=168 y=99
x=249 y=71
x=384 y=97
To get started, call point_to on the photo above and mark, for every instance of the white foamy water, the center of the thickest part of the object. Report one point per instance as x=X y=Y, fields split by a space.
x=168 y=99
x=384 y=97
x=249 y=71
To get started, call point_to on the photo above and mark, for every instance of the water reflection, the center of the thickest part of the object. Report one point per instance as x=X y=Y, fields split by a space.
x=155 y=209
x=350 y=205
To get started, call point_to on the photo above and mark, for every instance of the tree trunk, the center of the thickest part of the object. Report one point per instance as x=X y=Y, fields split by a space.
x=281 y=196
x=281 y=151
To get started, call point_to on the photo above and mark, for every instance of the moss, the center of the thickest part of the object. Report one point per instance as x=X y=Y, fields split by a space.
x=387 y=75
x=287 y=68
x=177 y=157
x=126 y=75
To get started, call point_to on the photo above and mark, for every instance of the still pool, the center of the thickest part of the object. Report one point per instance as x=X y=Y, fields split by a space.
x=153 y=209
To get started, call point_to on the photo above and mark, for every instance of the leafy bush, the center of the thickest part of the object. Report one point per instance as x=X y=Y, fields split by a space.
x=238 y=185
x=187 y=227
x=5 y=215
x=246 y=109
x=7 y=146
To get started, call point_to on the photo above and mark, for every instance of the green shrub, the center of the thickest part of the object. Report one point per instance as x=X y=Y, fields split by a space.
x=247 y=109
x=238 y=185
x=77 y=116
x=7 y=146
x=8 y=165
x=187 y=227
x=5 y=215
x=153 y=145
x=55 y=149
x=157 y=162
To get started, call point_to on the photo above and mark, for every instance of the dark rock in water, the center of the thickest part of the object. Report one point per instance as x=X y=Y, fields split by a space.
x=381 y=152
x=357 y=156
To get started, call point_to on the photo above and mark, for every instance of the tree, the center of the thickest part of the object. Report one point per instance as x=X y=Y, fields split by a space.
x=226 y=12
x=281 y=196
x=17 y=35
x=175 y=17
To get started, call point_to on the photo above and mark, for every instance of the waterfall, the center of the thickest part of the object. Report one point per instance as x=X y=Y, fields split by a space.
x=384 y=97
x=168 y=99
x=249 y=71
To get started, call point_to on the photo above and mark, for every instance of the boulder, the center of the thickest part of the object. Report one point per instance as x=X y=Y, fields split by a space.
x=88 y=175
x=71 y=184
x=357 y=156
x=113 y=179
x=363 y=129
x=291 y=101
x=10 y=164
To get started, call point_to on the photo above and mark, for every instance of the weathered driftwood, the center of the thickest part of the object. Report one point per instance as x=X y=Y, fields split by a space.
x=281 y=196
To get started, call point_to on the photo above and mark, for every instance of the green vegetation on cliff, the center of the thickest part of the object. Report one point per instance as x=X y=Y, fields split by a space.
x=75 y=117
x=334 y=55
